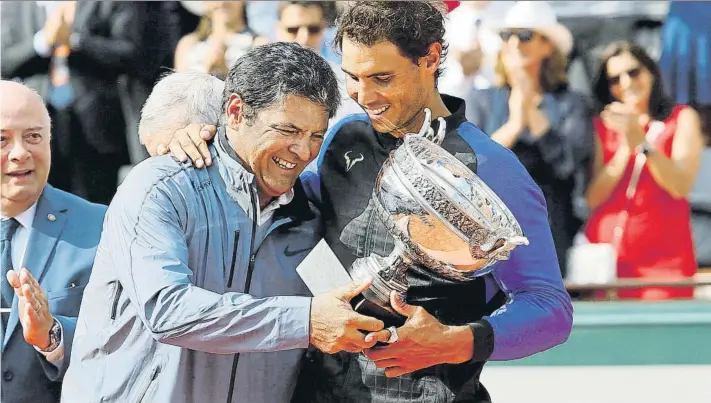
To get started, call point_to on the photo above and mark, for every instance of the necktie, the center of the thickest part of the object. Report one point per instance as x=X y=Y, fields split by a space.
x=8 y=230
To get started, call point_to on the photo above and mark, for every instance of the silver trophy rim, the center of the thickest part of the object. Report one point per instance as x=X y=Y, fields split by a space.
x=445 y=269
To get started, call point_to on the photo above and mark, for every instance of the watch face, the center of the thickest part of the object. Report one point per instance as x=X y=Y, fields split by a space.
x=54 y=335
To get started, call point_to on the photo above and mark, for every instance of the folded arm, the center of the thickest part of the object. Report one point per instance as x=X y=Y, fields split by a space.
x=151 y=258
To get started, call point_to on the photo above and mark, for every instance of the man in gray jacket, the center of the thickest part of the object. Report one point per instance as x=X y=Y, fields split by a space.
x=194 y=295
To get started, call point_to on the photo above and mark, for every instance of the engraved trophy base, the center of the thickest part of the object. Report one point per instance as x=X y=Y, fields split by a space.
x=387 y=274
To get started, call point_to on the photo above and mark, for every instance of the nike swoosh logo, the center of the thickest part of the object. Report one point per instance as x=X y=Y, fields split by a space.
x=290 y=253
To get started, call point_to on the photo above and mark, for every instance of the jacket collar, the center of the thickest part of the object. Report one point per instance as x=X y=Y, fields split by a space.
x=239 y=180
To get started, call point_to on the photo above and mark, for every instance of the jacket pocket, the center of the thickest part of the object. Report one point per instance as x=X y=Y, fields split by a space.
x=115 y=300
x=64 y=292
x=65 y=302
x=147 y=381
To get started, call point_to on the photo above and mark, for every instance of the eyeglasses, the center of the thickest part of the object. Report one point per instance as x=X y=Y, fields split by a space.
x=524 y=35
x=632 y=73
x=313 y=29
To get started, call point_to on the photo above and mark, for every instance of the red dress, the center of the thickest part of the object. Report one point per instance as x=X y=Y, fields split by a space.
x=657 y=240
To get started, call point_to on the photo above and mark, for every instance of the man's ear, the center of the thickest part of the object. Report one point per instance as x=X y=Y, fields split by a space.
x=434 y=58
x=234 y=111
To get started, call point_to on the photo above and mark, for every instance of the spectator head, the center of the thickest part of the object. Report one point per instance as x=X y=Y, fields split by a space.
x=178 y=100
x=277 y=101
x=533 y=41
x=229 y=11
x=628 y=74
x=391 y=53
x=302 y=22
x=25 y=127
x=228 y=15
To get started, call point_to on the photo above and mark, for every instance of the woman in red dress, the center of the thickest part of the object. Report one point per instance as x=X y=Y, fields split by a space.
x=655 y=240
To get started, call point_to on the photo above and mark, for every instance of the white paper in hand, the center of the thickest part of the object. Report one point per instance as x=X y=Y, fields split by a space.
x=322 y=271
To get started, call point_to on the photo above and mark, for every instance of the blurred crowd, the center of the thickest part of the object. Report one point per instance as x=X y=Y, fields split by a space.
x=573 y=96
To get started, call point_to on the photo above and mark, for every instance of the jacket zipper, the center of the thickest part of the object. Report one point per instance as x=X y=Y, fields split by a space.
x=247 y=284
x=117 y=296
x=234 y=259
x=154 y=375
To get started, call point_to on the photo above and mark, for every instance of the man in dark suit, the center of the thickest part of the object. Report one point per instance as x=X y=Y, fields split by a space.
x=47 y=247
x=72 y=53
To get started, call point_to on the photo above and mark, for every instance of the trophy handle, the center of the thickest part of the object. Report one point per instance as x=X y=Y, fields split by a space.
x=498 y=248
x=426 y=129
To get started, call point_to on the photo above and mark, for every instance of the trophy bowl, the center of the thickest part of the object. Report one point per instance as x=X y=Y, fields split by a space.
x=442 y=217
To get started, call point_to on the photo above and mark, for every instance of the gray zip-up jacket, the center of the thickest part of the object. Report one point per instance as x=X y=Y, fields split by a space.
x=183 y=304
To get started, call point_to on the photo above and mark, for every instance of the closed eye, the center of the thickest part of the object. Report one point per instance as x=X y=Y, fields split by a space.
x=286 y=132
x=383 y=79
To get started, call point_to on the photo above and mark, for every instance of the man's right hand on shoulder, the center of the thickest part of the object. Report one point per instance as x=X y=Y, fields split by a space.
x=335 y=326
x=190 y=143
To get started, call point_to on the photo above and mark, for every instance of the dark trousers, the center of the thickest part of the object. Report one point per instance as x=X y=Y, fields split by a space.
x=77 y=167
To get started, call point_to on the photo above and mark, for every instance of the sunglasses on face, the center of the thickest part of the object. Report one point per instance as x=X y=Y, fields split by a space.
x=313 y=29
x=632 y=73
x=524 y=35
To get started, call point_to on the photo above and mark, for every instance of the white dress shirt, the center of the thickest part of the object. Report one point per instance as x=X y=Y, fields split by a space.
x=19 y=247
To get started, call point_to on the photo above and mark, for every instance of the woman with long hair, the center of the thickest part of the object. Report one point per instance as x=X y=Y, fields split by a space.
x=644 y=210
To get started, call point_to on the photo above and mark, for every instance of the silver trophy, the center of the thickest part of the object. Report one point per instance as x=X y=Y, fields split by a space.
x=442 y=217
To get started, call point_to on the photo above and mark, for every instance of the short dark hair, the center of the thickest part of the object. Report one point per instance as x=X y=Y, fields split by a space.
x=660 y=105
x=267 y=74
x=412 y=26
x=306 y=4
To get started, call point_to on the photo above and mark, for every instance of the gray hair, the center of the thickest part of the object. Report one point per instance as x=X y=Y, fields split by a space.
x=267 y=74
x=181 y=98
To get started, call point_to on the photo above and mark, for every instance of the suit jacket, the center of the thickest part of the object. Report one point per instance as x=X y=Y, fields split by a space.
x=60 y=253
x=108 y=33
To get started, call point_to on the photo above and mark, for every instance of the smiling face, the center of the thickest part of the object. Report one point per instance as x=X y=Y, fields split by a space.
x=280 y=141
x=630 y=82
x=391 y=89
x=24 y=138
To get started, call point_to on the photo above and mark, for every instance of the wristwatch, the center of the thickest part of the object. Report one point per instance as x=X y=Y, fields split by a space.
x=645 y=148
x=55 y=337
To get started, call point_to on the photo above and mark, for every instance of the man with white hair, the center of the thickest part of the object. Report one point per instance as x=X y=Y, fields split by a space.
x=178 y=100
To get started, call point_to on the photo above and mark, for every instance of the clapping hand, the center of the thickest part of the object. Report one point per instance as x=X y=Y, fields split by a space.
x=32 y=308
x=57 y=28
x=624 y=120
